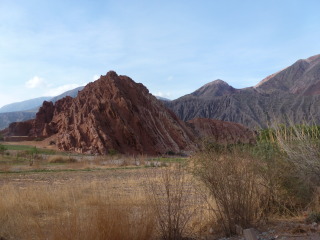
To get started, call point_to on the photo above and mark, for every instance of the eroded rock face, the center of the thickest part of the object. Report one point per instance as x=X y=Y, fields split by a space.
x=222 y=132
x=19 y=128
x=112 y=113
x=115 y=113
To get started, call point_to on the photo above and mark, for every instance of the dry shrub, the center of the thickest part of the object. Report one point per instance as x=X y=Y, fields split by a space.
x=62 y=159
x=76 y=211
x=232 y=178
x=173 y=199
x=299 y=146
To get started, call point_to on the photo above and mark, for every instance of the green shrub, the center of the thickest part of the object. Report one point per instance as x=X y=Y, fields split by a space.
x=112 y=152
x=2 y=149
x=313 y=217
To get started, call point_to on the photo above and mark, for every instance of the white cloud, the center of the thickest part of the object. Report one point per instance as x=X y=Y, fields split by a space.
x=95 y=77
x=36 y=82
x=162 y=94
x=59 y=90
x=170 y=78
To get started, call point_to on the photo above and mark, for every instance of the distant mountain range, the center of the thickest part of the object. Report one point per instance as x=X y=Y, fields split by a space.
x=291 y=95
x=33 y=105
x=25 y=110
x=24 y=105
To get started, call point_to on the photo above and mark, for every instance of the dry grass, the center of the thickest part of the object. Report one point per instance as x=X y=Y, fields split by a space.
x=177 y=206
x=62 y=159
x=76 y=211
x=101 y=205
x=237 y=186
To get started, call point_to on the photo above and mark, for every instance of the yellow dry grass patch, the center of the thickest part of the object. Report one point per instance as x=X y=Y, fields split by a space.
x=77 y=210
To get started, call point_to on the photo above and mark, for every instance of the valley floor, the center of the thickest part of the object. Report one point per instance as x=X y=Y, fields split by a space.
x=54 y=195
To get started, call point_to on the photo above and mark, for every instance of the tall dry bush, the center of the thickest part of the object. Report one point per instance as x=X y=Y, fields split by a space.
x=300 y=145
x=172 y=197
x=232 y=178
x=290 y=154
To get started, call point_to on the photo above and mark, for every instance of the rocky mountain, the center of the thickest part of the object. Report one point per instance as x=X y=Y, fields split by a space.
x=25 y=110
x=115 y=113
x=303 y=77
x=288 y=96
x=215 y=88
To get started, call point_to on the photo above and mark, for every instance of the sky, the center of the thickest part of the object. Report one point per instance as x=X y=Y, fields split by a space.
x=172 y=47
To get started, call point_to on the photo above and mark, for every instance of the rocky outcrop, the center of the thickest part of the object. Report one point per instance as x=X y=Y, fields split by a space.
x=112 y=113
x=20 y=128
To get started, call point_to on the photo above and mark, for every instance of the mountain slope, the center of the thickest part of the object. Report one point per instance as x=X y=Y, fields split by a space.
x=289 y=96
x=303 y=77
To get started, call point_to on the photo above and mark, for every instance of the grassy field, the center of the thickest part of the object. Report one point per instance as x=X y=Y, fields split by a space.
x=47 y=194
x=80 y=203
x=54 y=195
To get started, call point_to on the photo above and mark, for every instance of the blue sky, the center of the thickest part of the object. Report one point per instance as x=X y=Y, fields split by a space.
x=172 y=47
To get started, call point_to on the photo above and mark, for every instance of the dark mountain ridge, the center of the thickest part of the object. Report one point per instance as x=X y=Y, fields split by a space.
x=288 y=96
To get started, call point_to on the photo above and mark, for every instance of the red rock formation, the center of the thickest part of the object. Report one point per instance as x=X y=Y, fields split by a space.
x=222 y=132
x=19 y=128
x=114 y=113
